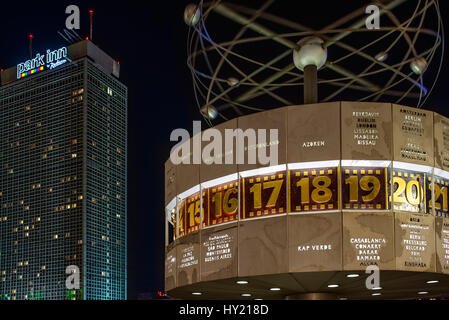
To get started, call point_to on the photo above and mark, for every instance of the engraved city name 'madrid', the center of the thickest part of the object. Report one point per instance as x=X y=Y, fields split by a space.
x=50 y=60
x=412 y=126
x=365 y=132
x=368 y=250
x=251 y=142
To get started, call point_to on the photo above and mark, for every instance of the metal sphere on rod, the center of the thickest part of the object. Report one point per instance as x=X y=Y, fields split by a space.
x=192 y=14
x=309 y=57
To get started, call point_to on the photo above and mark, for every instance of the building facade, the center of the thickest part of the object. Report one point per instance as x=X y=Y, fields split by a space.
x=63 y=177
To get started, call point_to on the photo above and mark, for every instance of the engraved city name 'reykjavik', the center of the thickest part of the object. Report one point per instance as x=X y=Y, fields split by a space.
x=50 y=60
x=365 y=131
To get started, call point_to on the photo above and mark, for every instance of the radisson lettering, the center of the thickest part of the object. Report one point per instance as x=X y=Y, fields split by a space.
x=50 y=60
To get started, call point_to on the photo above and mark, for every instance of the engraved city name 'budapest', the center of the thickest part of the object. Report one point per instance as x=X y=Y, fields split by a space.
x=366 y=131
x=413 y=135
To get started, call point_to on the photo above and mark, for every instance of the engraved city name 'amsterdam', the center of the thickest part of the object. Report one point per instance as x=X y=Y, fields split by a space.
x=413 y=138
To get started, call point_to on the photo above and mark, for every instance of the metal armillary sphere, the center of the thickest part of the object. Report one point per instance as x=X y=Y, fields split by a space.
x=246 y=59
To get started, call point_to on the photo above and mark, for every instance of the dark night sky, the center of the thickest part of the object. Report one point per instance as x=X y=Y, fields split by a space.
x=149 y=40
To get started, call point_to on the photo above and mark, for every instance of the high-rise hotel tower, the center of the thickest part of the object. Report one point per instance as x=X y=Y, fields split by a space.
x=63 y=177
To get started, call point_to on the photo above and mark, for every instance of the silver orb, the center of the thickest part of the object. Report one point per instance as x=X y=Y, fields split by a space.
x=419 y=65
x=192 y=14
x=311 y=51
x=233 y=82
x=381 y=56
x=209 y=111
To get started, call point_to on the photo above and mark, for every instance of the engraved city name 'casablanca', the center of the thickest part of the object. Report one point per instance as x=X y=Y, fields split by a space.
x=368 y=249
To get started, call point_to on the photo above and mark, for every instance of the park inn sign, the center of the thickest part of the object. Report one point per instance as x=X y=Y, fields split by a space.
x=50 y=60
